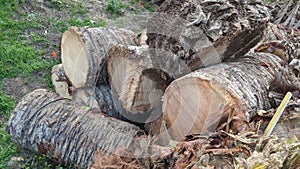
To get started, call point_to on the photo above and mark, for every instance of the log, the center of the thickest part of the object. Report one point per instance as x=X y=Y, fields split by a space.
x=138 y=81
x=228 y=93
x=207 y=32
x=84 y=53
x=46 y=123
x=84 y=56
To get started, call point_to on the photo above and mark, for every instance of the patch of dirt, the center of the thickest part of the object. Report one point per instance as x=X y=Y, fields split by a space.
x=20 y=86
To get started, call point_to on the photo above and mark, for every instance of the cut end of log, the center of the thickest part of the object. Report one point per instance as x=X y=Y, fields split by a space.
x=85 y=51
x=137 y=86
x=73 y=50
x=193 y=105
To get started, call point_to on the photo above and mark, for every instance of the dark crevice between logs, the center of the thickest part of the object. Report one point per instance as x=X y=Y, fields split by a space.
x=161 y=78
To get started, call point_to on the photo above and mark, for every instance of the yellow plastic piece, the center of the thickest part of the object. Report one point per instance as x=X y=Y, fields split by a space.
x=278 y=114
x=259 y=166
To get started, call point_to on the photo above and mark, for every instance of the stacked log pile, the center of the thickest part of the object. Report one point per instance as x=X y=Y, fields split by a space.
x=206 y=67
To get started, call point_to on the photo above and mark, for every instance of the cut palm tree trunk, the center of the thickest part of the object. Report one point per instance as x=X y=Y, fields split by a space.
x=84 y=53
x=84 y=56
x=207 y=98
x=48 y=124
x=138 y=81
x=204 y=33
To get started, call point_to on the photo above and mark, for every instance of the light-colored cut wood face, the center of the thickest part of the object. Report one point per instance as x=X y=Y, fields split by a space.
x=192 y=106
x=74 y=59
x=61 y=87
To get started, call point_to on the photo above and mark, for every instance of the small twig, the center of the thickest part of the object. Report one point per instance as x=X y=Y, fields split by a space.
x=278 y=114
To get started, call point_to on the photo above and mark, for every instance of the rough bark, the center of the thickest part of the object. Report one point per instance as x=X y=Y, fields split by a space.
x=84 y=53
x=49 y=124
x=138 y=81
x=105 y=101
x=203 y=100
x=203 y=33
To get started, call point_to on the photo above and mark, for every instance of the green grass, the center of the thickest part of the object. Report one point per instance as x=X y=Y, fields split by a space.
x=7 y=148
x=114 y=7
x=16 y=56
x=6 y=106
x=55 y=4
